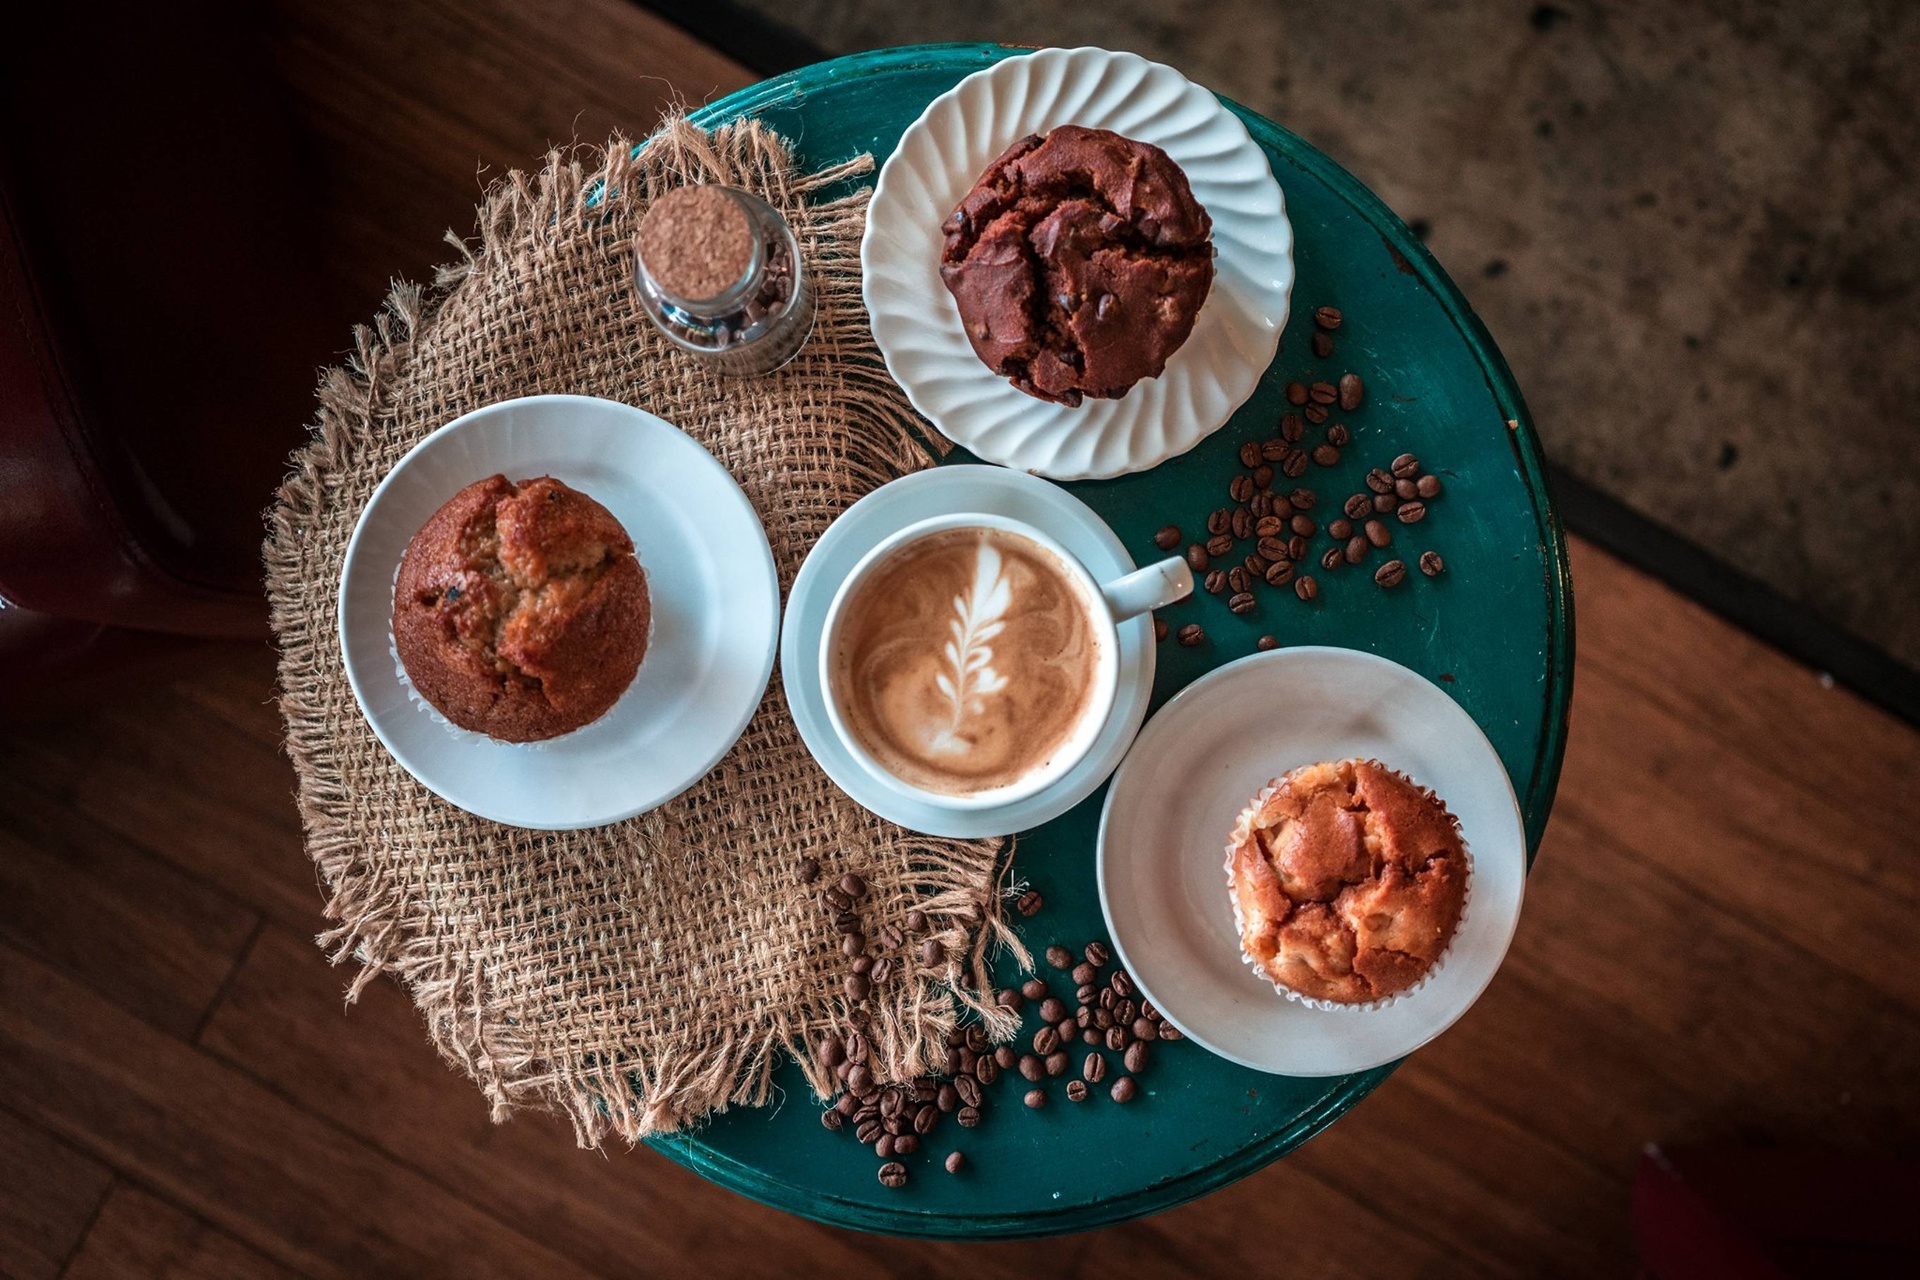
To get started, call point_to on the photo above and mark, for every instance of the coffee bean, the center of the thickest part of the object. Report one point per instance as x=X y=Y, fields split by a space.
x=986 y=1071
x=1108 y=998
x=1296 y=393
x=1274 y=449
x=1294 y=465
x=1117 y=1038
x=1292 y=427
x=1379 y=481
x=861 y=964
x=1067 y=1027
x=1148 y=1011
x=1316 y=413
x=1097 y=954
x=809 y=871
x=1263 y=477
x=1197 y=559
x=1352 y=391
x=1303 y=525
x=947 y=1098
x=906 y=1144
x=1322 y=345
x=1240 y=488
x=1191 y=636
x=830 y=1051
x=1241 y=526
x=968 y=1117
x=1094 y=1069
x=1145 y=1028
x=893 y=1174
x=1390 y=574
x=1076 y=1091
x=858 y=987
x=1383 y=503
x=891 y=937
x=1219 y=521
x=916 y=921
x=1411 y=512
x=1405 y=490
x=1057 y=1063
x=1034 y=989
x=1331 y=559
x=1326 y=455
x=1045 y=1041
x=1266 y=643
x=1340 y=529
x=1338 y=436
x=869 y=1132
x=958 y=1060
x=1093 y=1036
x=890 y=1103
x=1036 y=1098
x=1323 y=392
x=1030 y=903
x=1053 y=1008
x=1303 y=498
x=853 y=886
x=1136 y=1057
x=1404 y=467
x=977 y=1038
x=1215 y=582
x=1261 y=506
x=1327 y=317
x=1272 y=548
x=1031 y=1067
x=1269 y=526
x=1297 y=547
x=1083 y=1016
x=1124 y=1089
x=882 y=969
x=1358 y=506
x=832 y=1119
x=1125 y=1011
x=969 y=1090
x=1250 y=454
x=1238 y=578
x=1122 y=984
x=1255 y=564
x=1356 y=549
x=956 y=1161
x=1220 y=545
x=1005 y=1056
x=933 y=953
x=846 y=922
x=1159 y=628
x=1279 y=574
x=857 y=1048
x=836 y=901
x=928 y=1116
x=1427 y=486
x=1305 y=587
x=1168 y=538
x=1170 y=1032
x=859 y=1079
x=1085 y=973
x=1243 y=603
x=1431 y=564
x=1378 y=533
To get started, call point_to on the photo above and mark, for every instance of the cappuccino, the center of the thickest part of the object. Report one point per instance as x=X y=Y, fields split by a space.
x=966 y=660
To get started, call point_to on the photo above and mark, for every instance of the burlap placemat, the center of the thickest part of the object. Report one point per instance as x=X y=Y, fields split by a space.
x=640 y=975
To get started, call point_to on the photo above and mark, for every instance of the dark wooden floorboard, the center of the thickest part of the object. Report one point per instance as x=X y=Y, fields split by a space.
x=49 y=1193
x=139 y=1234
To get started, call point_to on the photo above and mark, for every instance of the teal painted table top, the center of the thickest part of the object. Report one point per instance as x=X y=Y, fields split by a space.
x=1496 y=631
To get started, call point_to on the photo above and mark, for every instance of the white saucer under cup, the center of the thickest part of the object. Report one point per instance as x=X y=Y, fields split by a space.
x=943 y=491
x=710 y=578
x=1163 y=838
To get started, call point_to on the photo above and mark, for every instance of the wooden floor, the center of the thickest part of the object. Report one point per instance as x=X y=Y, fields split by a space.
x=1717 y=943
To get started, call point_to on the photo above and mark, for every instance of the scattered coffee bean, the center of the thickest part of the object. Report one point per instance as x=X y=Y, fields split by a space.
x=1278 y=574
x=1093 y=1036
x=1292 y=427
x=1148 y=1011
x=1356 y=549
x=1405 y=490
x=1243 y=603
x=1218 y=521
x=1268 y=526
x=1326 y=455
x=1297 y=547
x=1411 y=512
x=1057 y=1063
x=968 y=1117
x=1117 y=1038
x=858 y=987
x=906 y=1144
x=928 y=1116
x=1192 y=636
x=1378 y=533
x=832 y=1119
x=1241 y=526
x=1053 y=1008
x=1159 y=628
x=1030 y=903
x=1005 y=1056
x=969 y=1090
x=891 y=937
x=1094 y=1069
x=1045 y=1041
x=1215 y=582
x=947 y=1098
x=1303 y=498
x=893 y=1174
x=1431 y=564
x=852 y=944
x=1385 y=502
x=1303 y=525
x=890 y=1103
x=1379 y=481
x=1323 y=392
x=1034 y=989
x=916 y=921
x=1168 y=538
x=1250 y=454
x=956 y=1061
x=1085 y=973
x=809 y=871
x=1305 y=587
x=1340 y=529
x=836 y=901
x=1338 y=436
x=853 y=886
x=1170 y=1032
x=1261 y=506
x=1358 y=506
x=1008 y=998
x=846 y=922
x=869 y=1132
x=1067 y=1027
x=1124 y=1089
x=1316 y=413
x=1404 y=467
x=933 y=953
x=1103 y=1011
x=830 y=1051
x=1197 y=559
x=1144 y=1028
x=956 y=1161
x=1352 y=391
x=1294 y=465
x=882 y=969
x=1036 y=1098
x=1296 y=393
x=1322 y=345
x=1031 y=1067
x=1122 y=983
x=1427 y=486
x=977 y=1038
x=857 y=1048
x=1124 y=1012
x=986 y=1071
x=1273 y=548
x=1220 y=545
x=1274 y=449
x=1076 y=1092
x=1327 y=317
x=1083 y=1016
x=1331 y=558
x=1238 y=579
x=1255 y=564
x=1136 y=1057
x=1391 y=574
x=1268 y=642
x=1262 y=477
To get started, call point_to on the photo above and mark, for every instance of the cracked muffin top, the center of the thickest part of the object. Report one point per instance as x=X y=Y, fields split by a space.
x=1079 y=261
x=520 y=611
x=1349 y=881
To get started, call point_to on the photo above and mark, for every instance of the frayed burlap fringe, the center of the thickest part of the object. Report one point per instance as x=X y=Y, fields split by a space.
x=638 y=976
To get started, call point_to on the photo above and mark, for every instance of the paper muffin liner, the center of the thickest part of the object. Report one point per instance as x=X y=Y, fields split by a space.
x=1242 y=830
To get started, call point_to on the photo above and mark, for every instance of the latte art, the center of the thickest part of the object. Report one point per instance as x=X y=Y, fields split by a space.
x=966 y=660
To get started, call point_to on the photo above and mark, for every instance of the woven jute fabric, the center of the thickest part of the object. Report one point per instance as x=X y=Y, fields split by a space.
x=637 y=976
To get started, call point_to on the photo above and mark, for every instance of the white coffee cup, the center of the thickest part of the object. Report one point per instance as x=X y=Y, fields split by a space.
x=1108 y=605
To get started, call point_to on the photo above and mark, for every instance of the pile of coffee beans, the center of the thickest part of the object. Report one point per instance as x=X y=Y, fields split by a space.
x=1107 y=1015
x=1276 y=516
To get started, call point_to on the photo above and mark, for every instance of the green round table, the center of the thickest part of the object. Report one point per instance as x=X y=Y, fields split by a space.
x=1496 y=632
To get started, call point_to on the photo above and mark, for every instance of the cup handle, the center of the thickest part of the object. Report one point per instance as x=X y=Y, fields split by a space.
x=1153 y=587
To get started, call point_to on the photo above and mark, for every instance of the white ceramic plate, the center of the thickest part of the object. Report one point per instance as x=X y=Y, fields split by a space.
x=917 y=324
x=937 y=492
x=716 y=613
x=1172 y=806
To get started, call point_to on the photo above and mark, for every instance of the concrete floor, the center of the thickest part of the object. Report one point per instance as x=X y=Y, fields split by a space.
x=1692 y=226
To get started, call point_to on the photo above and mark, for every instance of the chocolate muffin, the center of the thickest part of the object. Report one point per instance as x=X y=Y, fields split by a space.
x=1348 y=881
x=1079 y=261
x=520 y=611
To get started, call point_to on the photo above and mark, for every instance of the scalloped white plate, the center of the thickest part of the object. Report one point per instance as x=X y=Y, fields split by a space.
x=917 y=325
